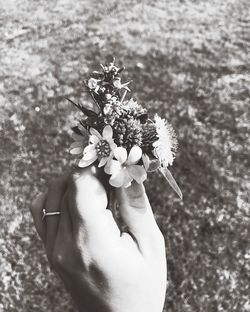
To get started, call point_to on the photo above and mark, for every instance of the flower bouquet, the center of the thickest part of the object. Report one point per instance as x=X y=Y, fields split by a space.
x=123 y=140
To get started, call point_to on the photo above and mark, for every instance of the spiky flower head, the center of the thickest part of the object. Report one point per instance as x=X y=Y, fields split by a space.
x=149 y=136
x=166 y=145
x=127 y=133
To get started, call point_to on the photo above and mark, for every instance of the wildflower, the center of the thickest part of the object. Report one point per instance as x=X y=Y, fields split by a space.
x=112 y=110
x=165 y=146
x=125 y=169
x=127 y=132
x=101 y=148
x=108 y=96
x=92 y=83
x=117 y=84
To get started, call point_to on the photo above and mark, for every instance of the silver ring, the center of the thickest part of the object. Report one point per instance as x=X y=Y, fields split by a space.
x=46 y=214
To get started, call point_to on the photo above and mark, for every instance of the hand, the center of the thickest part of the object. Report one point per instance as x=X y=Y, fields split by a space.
x=103 y=269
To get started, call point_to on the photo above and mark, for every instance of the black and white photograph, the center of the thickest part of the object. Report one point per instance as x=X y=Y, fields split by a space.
x=124 y=156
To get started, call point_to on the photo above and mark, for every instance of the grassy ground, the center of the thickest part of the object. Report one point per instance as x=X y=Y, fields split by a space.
x=189 y=61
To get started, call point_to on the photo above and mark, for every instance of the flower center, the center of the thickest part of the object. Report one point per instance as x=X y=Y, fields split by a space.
x=103 y=149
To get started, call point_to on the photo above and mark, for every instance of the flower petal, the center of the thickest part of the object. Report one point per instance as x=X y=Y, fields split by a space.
x=137 y=172
x=112 y=145
x=93 y=131
x=76 y=150
x=93 y=139
x=86 y=162
x=113 y=167
x=127 y=178
x=89 y=149
x=107 y=133
x=90 y=154
x=117 y=180
x=134 y=155
x=121 y=154
x=103 y=161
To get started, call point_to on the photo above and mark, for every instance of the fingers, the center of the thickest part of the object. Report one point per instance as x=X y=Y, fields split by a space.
x=53 y=204
x=64 y=243
x=36 y=212
x=136 y=210
x=88 y=204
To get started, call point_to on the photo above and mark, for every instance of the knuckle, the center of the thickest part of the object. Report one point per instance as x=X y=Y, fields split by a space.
x=161 y=239
x=37 y=203
x=77 y=173
x=57 y=182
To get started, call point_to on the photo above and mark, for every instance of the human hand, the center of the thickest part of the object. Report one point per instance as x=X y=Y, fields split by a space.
x=103 y=269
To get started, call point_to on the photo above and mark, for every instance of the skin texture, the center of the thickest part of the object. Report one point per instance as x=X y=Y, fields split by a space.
x=103 y=269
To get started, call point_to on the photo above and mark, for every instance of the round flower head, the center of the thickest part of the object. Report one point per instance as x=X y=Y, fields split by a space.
x=125 y=169
x=165 y=146
x=101 y=148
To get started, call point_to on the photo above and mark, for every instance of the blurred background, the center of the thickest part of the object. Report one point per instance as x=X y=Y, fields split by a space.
x=189 y=61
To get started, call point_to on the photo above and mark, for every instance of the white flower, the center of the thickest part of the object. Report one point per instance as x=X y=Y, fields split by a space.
x=165 y=146
x=101 y=148
x=92 y=83
x=117 y=84
x=125 y=169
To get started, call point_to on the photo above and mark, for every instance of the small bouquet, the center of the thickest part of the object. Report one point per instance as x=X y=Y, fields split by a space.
x=123 y=140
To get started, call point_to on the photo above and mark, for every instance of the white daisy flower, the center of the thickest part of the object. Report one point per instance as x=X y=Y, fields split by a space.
x=101 y=148
x=165 y=146
x=124 y=169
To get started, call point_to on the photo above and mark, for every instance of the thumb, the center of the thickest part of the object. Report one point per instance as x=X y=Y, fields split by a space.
x=136 y=210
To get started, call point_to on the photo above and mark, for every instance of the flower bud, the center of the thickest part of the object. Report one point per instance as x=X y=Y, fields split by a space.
x=92 y=83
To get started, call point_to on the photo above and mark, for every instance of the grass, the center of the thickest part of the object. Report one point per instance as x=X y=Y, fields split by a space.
x=189 y=61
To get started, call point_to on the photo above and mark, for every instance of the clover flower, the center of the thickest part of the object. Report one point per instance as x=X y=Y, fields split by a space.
x=165 y=146
x=101 y=148
x=127 y=132
x=125 y=168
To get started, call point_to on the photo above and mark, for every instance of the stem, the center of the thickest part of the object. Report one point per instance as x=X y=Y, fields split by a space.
x=113 y=204
x=123 y=96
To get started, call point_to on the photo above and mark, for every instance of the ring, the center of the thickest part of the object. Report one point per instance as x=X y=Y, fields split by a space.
x=45 y=214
